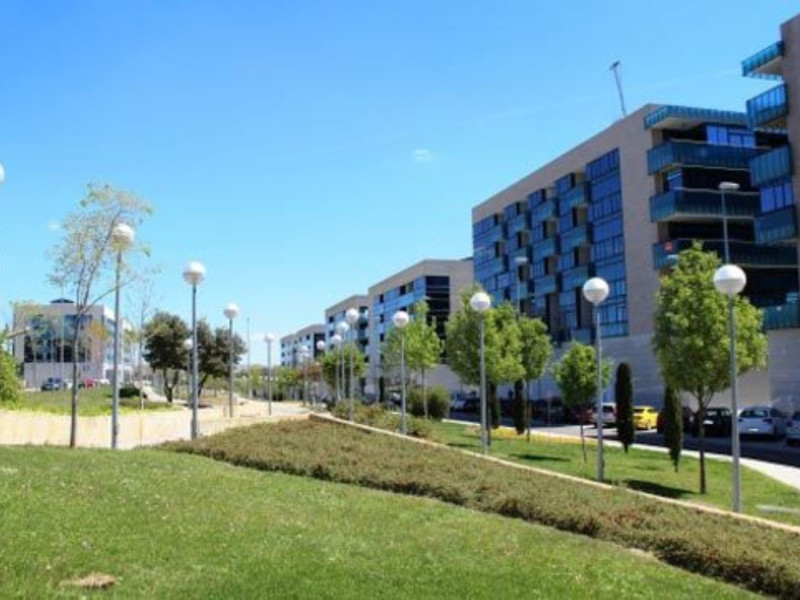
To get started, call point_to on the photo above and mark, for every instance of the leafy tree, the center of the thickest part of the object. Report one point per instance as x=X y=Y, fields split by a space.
x=286 y=379
x=9 y=383
x=505 y=365
x=164 y=337
x=213 y=353
x=673 y=425
x=623 y=394
x=537 y=349
x=83 y=260
x=691 y=337
x=576 y=376
x=422 y=346
x=331 y=365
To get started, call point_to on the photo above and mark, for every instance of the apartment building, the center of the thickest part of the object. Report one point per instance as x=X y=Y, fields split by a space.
x=46 y=348
x=336 y=313
x=292 y=344
x=439 y=282
x=618 y=206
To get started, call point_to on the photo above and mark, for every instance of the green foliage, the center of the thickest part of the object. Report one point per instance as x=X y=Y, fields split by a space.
x=673 y=425
x=576 y=375
x=710 y=544
x=331 y=367
x=463 y=339
x=377 y=416
x=537 y=348
x=213 y=352
x=9 y=383
x=286 y=378
x=164 y=337
x=623 y=394
x=130 y=391
x=438 y=402
x=691 y=336
x=422 y=345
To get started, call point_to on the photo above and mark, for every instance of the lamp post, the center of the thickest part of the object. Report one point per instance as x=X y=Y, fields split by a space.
x=187 y=344
x=231 y=312
x=726 y=186
x=400 y=320
x=122 y=237
x=342 y=328
x=480 y=303
x=194 y=273
x=2 y=174
x=303 y=355
x=336 y=340
x=521 y=261
x=595 y=290
x=321 y=347
x=352 y=316
x=269 y=339
x=730 y=280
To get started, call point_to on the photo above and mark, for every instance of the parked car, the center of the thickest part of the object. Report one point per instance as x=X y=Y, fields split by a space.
x=457 y=401
x=717 y=421
x=102 y=381
x=793 y=429
x=688 y=416
x=645 y=417
x=609 y=414
x=53 y=384
x=555 y=407
x=762 y=420
x=472 y=403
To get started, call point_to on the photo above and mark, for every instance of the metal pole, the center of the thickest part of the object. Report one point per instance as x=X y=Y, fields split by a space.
x=725 y=229
x=352 y=380
x=404 y=426
x=343 y=380
x=249 y=372
x=269 y=378
x=115 y=372
x=195 y=371
x=599 y=353
x=484 y=419
x=737 y=479
x=338 y=382
x=230 y=368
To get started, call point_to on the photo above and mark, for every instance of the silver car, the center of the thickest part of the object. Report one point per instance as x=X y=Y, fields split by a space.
x=762 y=420
x=793 y=429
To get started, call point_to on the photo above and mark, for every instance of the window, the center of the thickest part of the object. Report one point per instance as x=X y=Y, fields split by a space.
x=777 y=196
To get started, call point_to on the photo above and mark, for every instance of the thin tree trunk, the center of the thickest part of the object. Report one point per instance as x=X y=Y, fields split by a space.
x=424 y=396
x=583 y=442
x=73 y=413
x=701 y=430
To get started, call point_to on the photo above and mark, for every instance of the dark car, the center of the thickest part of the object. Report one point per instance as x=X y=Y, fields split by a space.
x=472 y=403
x=53 y=384
x=688 y=416
x=717 y=421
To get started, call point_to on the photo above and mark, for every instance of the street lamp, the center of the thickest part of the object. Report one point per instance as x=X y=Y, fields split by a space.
x=400 y=320
x=336 y=340
x=730 y=280
x=269 y=339
x=194 y=273
x=595 y=291
x=231 y=312
x=342 y=328
x=122 y=237
x=303 y=355
x=480 y=303
x=321 y=347
x=521 y=261
x=352 y=316
x=726 y=186
x=2 y=174
x=187 y=344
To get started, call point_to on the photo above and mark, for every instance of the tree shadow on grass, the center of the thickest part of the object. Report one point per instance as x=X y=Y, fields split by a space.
x=463 y=445
x=539 y=457
x=657 y=489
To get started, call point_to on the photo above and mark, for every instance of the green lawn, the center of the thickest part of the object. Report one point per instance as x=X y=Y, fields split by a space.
x=179 y=526
x=92 y=402
x=644 y=470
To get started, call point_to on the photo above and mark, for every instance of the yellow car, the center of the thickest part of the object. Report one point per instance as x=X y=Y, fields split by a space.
x=645 y=417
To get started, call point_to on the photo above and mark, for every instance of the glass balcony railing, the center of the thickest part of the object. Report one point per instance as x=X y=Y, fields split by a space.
x=575 y=277
x=744 y=254
x=686 y=117
x=768 y=109
x=544 y=285
x=763 y=62
x=517 y=224
x=776 y=226
x=577 y=196
x=698 y=154
x=519 y=252
x=544 y=249
x=544 y=212
x=785 y=316
x=574 y=238
x=679 y=203
x=776 y=164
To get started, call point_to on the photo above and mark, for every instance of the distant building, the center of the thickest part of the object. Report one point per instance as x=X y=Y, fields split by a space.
x=291 y=344
x=46 y=349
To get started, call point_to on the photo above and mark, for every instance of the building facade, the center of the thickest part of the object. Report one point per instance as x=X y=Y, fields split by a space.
x=292 y=344
x=619 y=206
x=46 y=349
x=336 y=314
x=439 y=282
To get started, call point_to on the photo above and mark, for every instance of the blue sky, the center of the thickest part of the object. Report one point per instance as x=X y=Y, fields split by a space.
x=305 y=149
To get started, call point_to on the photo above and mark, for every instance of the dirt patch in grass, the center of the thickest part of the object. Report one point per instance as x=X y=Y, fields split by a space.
x=92 y=581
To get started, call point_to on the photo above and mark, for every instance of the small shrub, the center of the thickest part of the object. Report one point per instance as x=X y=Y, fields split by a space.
x=438 y=402
x=10 y=394
x=377 y=416
x=130 y=391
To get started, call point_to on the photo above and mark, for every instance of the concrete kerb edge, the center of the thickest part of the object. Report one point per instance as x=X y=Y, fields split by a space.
x=682 y=503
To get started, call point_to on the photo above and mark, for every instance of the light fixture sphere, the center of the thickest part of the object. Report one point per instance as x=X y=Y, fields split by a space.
x=352 y=315
x=231 y=311
x=400 y=319
x=729 y=280
x=480 y=302
x=336 y=339
x=342 y=328
x=269 y=338
x=188 y=344
x=595 y=290
x=728 y=186
x=194 y=273
x=521 y=260
x=321 y=346
x=2 y=174
x=122 y=236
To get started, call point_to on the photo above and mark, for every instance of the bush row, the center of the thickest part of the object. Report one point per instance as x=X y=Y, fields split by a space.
x=757 y=557
x=376 y=415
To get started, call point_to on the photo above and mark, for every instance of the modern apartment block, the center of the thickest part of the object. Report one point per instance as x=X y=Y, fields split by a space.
x=292 y=344
x=46 y=348
x=618 y=206
x=439 y=282
x=336 y=313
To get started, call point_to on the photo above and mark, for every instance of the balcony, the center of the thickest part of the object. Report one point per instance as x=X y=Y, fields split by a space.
x=686 y=117
x=682 y=204
x=544 y=249
x=519 y=252
x=544 y=285
x=744 y=254
x=517 y=224
x=785 y=316
x=574 y=238
x=575 y=277
x=776 y=226
x=577 y=196
x=771 y=166
x=768 y=110
x=698 y=154
x=544 y=212
x=765 y=64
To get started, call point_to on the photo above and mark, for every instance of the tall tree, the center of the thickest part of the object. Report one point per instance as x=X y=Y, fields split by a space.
x=213 y=353
x=537 y=349
x=623 y=395
x=332 y=364
x=673 y=425
x=576 y=376
x=83 y=260
x=164 y=348
x=423 y=347
x=691 y=337
x=506 y=365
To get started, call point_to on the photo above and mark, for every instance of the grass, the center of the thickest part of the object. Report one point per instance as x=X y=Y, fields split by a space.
x=750 y=554
x=166 y=525
x=644 y=470
x=92 y=402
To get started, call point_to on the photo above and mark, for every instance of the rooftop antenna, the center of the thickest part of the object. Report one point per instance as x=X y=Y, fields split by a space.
x=615 y=68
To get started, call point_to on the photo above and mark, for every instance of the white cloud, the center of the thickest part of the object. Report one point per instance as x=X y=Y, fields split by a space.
x=422 y=155
x=54 y=226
